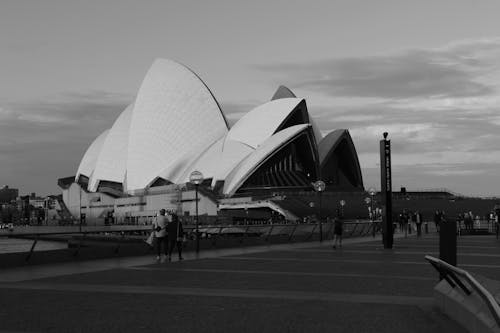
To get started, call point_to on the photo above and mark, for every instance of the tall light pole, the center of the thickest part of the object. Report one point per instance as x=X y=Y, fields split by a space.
x=319 y=187
x=80 y=206
x=367 y=202
x=372 y=192
x=342 y=204
x=196 y=178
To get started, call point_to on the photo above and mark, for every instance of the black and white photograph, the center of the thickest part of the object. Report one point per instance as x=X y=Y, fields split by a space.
x=249 y=166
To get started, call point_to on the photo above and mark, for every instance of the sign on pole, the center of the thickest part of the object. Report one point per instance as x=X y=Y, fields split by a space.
x=386 y=192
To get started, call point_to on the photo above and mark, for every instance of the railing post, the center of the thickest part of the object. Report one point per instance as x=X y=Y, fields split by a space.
x=291 y=234
x=269 y=233
x=245 y=235
x=312 y=232
x=117 y=249
x=354 y=229
x=32 y=248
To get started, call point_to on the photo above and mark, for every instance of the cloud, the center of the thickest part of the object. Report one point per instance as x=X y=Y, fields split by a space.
x=45 y=140
x=233 y=111
x=456 y=70
x=440 y=106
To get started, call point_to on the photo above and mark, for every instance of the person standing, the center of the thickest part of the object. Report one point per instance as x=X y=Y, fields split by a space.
x=175 y=236
x=418 y=222
x=160 y=229
x=338 y=226
x=437 y=219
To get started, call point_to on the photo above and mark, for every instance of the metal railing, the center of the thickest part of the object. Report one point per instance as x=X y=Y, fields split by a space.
x=210 y=235
x=450 y=272
x=37 y=232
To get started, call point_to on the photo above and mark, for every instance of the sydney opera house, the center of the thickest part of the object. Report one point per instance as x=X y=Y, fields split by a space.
x=176 y=126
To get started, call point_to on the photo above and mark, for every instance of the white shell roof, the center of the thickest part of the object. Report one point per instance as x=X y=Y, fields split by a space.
x=207 y=162
x=112 y=161
x=175 y=117
x=260 y=123
x=317 y=133
x=88 y=162
x=218 y=160
x=245 y=169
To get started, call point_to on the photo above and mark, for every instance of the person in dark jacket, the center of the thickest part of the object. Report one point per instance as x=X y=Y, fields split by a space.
x=338 y=228
x=418 y=222
x=175 y=236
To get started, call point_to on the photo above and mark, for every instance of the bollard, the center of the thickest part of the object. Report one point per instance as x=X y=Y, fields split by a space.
x=448 y=242
x=426 y=227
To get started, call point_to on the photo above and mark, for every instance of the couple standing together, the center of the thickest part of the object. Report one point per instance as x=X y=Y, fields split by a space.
x=168 y=233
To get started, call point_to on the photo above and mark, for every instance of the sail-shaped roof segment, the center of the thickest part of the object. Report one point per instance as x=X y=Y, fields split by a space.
x=317 y=133
x=246 y=167
x=283 y=92
x=175 y=117
x=337 y=154
x=263 y=121
x=112 y=161
x=88 y=162
x=218 y=160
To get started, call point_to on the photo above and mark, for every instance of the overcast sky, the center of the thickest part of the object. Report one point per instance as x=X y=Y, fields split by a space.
x=428 y=72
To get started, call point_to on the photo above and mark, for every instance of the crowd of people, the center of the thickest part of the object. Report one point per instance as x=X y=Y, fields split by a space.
x=408 y=219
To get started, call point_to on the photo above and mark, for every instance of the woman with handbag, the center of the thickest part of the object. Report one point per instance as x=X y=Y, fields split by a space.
x=175 y=236
x=160 y=230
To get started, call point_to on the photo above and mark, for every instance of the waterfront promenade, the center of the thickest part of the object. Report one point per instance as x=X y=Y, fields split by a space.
x=304 y=287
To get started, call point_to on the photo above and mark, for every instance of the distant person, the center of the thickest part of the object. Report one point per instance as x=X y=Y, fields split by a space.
x=160 y=229
x=437 y=219
x=338 y=228
x=418 y=222
x=497 y=223
x=175 y=236
x=442 y=217
x=477 y=222
x=401 y=222
x=406 y=222
x=468 y=222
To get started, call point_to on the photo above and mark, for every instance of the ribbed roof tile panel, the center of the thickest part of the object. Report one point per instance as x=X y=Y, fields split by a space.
x=260 y=123
x=88 y=162
x=112 y=161
x=175 y=116
x=245 y=169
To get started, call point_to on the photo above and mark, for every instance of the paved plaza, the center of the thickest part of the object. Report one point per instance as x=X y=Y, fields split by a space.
x=304 y=287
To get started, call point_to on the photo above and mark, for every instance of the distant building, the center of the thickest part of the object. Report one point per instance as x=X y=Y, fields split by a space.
x=7 y=195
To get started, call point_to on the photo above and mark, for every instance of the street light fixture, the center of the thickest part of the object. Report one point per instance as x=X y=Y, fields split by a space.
x=319 y=186
x=196 y=178
x=367 y=202
x=342 y=204
x=372 y=192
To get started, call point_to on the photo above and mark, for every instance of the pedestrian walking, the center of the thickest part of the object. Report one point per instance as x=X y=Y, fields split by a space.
x=160 y=229
x=175 y=236
x=338 y=228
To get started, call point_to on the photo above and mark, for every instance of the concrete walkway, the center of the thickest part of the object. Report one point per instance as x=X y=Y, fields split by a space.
x=304 y=287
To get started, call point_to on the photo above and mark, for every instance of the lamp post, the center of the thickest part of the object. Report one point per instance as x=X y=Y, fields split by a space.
x=342 y=204
x=372 y=192
x=319 y=187
x=80 y=207
x=196 y=178
x=367 y=202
